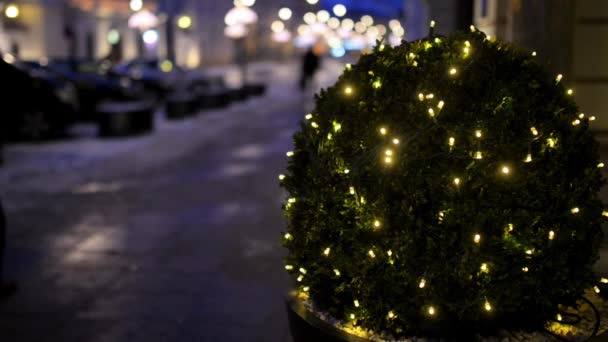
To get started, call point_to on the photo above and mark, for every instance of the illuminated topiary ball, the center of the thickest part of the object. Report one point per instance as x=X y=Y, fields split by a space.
x=447 y=186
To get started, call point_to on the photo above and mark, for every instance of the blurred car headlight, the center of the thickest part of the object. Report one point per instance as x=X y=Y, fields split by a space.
x=125 y=82
x=67 y=93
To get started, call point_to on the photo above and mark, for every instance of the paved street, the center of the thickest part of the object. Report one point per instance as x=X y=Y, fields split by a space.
x=172 y=236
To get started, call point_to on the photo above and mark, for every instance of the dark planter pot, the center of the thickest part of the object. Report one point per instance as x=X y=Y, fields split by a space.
x=306 y=327
x=255 y=89
x=181 y=105
x=214 y=98
x=125 y=118
x=239 y=94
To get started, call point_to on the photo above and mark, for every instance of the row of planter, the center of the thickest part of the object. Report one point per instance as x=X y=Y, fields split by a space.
x=126 y=118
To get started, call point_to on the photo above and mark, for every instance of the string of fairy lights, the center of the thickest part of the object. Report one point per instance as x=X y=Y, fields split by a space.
x=388 y=157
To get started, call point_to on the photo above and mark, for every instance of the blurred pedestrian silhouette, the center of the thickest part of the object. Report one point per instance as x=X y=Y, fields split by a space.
x=310 y=64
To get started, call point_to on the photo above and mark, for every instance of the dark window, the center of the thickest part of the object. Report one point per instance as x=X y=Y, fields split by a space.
x=484 y=8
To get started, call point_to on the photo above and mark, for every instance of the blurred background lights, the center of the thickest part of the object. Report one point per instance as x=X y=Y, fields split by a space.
x=277 y=26
x=323 y=16
x=367 y=20
x=347 y=24
x=339 y=10
x=247 y=3
x=11 y=11
x=312 y=2
x=184 y=22
x=150 y=37
x=338 y=52
x=310 y=18
x=333 y=23
x=285 y=13
x=136 y=5
x=113 y=37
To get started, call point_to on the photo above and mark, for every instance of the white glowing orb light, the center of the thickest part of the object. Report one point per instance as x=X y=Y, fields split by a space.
x=113 y=37
x=338 y=52
x=319 y=28
x=236 y=31
x=373 y=32
x=360 y=27
x=347 y=24
x=367 y=20
x=394 y=24
x=381 y=29
x=285 y=13
x=333 y=23
x=334 y=42
x=339 y=10
x=277 y=26
x=323 y=16
x=312 y=2
x=399 y=32
x=394 y=39
x=344 y=34
x=310 y=18
x=150 y=37
x=184 y=22
x=247 y=3
x=240 y=16
x=304 y=41
x=304 y=30
x=136 y=5
x=281 y=37
x=143 y=20
x=11 y=11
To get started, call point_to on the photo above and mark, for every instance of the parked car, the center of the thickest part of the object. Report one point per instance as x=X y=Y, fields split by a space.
x=95 y=83
x=36 y=105
x=158 y=76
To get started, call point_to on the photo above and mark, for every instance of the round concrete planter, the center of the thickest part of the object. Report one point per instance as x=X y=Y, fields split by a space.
x=125 y=118
x=306 y=327
x=181 y=105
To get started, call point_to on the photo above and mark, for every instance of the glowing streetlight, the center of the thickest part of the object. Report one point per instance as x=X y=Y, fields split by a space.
x=312 y=2
x=240 y=16
x=184 y=22
x=323 y=16
x=339 y=10
x=136 y=5
x=277 y=26
x=247 y=3
x=11 y=11
x=150 y=37
x=285 y=13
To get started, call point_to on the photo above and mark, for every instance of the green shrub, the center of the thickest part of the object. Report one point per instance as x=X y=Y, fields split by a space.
x=444 y=187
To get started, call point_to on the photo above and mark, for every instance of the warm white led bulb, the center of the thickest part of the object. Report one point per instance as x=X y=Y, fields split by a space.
x=422 y=283
x=326 y=251
x=377 y=224
x=453 y=71
x=431 y=311
x=336 y=272
x=457 y=181
x=348 y=90
x=383 y=131
x=451 y=141
x=356 y=302
x=551 y=235
x=533 y=130
x=487 y=306
x=396 y=141
x=371 y=254
x=477 y=238
x=505 y=170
